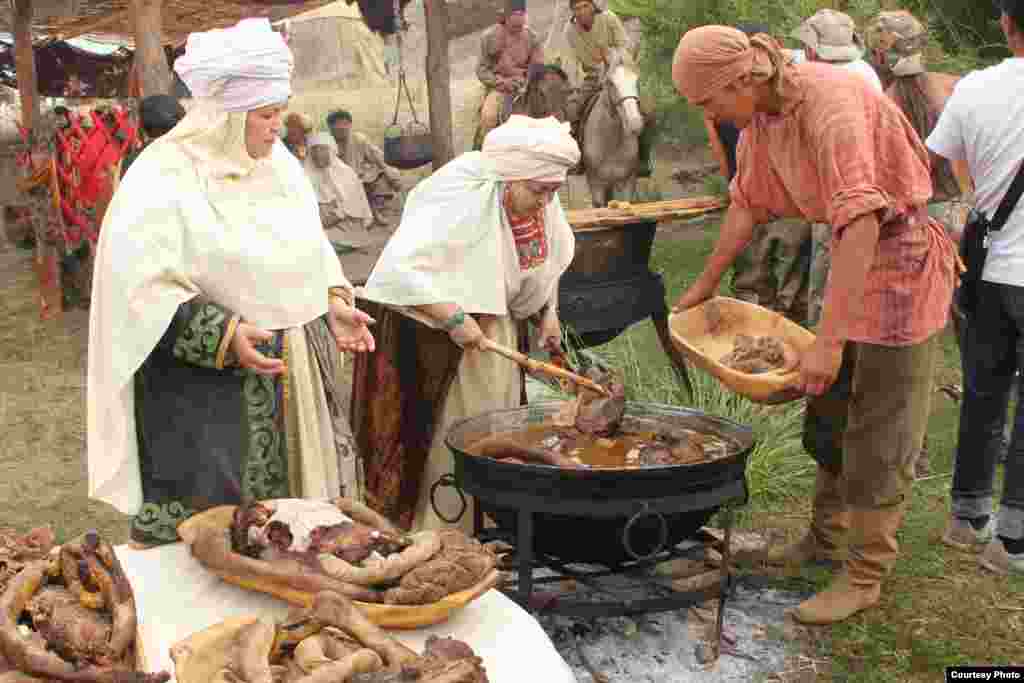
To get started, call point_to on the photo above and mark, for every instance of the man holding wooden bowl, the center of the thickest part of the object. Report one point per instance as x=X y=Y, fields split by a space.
x=821 y=144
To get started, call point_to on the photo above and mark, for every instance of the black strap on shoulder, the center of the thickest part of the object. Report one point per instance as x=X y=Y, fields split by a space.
x=1009 y=202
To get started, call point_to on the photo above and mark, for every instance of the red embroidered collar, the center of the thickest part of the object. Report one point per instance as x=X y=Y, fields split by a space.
x=529 y=235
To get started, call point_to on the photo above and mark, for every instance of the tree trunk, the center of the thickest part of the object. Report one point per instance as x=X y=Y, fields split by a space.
x=25 y=63
x=439 y=81
x=151 y=61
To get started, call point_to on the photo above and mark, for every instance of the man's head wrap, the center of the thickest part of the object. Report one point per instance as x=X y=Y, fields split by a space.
x=160 y=113
x=710 y=58
x=902 y=38
x=832 y=35
x=514 y=6
x=241 y=68
x=338 y=115
x=525 y=148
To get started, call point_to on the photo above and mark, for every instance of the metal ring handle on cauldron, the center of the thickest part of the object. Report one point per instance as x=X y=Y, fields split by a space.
x=627 y=531
x=447 y=480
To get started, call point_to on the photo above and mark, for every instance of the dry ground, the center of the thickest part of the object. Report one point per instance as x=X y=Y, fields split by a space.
x=42 y=412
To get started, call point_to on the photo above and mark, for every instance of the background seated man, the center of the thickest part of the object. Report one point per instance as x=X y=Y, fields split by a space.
x=381 y=182
x=344 y=209
x=296 y=128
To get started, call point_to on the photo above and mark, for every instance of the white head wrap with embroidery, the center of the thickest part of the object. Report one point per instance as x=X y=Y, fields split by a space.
x=525 y=148
x=242 y=68
x=454 y=244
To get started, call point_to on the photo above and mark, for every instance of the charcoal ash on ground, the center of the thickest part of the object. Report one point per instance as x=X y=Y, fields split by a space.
x=673 y=647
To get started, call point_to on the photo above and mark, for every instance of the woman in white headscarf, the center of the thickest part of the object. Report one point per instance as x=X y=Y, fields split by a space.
x=219 y=308
x=344 y=209
x=480 y=249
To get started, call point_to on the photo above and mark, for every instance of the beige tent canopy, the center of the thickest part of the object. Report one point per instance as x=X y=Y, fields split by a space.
x=335 y=50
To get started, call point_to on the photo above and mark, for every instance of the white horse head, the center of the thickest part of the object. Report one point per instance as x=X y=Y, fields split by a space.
x=621 y=83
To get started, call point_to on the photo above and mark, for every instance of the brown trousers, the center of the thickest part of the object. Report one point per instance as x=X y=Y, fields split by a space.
x=868 y=427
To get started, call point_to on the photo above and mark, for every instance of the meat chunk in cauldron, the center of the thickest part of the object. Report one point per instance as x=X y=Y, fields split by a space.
x=601 y=415
x=681 y=452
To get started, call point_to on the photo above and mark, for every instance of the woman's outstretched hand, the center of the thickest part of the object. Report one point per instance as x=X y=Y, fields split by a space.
x=243 y=345
x=350 y=327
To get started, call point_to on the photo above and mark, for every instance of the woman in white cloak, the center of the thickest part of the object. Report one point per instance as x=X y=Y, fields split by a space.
x=219 y=308
x=479 y=252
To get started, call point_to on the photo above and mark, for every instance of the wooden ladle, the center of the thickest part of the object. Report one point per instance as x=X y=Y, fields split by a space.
x=542 y=367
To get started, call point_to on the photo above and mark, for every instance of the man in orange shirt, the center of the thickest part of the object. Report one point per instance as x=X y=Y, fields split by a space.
x=822 y=144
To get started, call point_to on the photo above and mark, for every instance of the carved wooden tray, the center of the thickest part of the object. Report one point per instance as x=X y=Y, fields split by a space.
x=384 y=615
x=707 y=332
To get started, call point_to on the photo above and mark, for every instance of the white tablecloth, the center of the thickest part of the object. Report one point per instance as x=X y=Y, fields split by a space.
x=176 y=597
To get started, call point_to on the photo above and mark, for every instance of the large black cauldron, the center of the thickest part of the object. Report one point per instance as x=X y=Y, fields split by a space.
x=609 y=284
x=607 y=516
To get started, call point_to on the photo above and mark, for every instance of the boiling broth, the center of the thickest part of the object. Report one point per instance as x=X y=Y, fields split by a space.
x=596 y=452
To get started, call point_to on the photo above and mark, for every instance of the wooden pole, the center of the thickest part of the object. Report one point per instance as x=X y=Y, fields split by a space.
x=151 y=60
x=439 y=81
x=25 y=63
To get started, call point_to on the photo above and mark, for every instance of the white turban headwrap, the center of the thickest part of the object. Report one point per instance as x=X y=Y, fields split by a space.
x=321 y=138
x=525 y=148
x=241 y=68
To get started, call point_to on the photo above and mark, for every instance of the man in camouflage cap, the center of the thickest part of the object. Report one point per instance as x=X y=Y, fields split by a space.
x=896 y=41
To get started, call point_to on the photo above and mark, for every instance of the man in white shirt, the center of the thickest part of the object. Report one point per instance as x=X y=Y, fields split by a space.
x=983 y=124
x=831 y=36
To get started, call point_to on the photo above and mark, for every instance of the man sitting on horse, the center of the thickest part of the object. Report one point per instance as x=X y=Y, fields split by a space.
x=507 y=50
x=597 y=36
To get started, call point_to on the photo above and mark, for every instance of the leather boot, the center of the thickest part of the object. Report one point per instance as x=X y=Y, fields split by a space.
x=825 y=541
x=873 y=551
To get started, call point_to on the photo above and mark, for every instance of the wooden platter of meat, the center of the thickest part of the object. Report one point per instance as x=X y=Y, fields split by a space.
x=69 y=615
x=332 y=641
x=748 y=348
x=293 y=549
x=624 y=213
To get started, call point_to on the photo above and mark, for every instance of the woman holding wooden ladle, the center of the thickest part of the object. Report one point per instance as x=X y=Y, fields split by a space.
x=479 y=251
x=819 y=143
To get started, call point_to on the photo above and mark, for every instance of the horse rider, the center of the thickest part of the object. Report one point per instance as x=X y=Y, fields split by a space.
x=632 y=13
x=592 y=34
x=507 y=50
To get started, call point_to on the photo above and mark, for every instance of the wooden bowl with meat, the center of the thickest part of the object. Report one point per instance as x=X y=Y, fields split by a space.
x=330 y=642
x=293 y=549
x=753 y=351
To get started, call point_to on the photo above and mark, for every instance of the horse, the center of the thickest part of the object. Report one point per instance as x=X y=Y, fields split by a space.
x=611 y=134
x=546 y=93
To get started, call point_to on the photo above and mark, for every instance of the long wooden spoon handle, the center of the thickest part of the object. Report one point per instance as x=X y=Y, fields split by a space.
x=542 y=367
